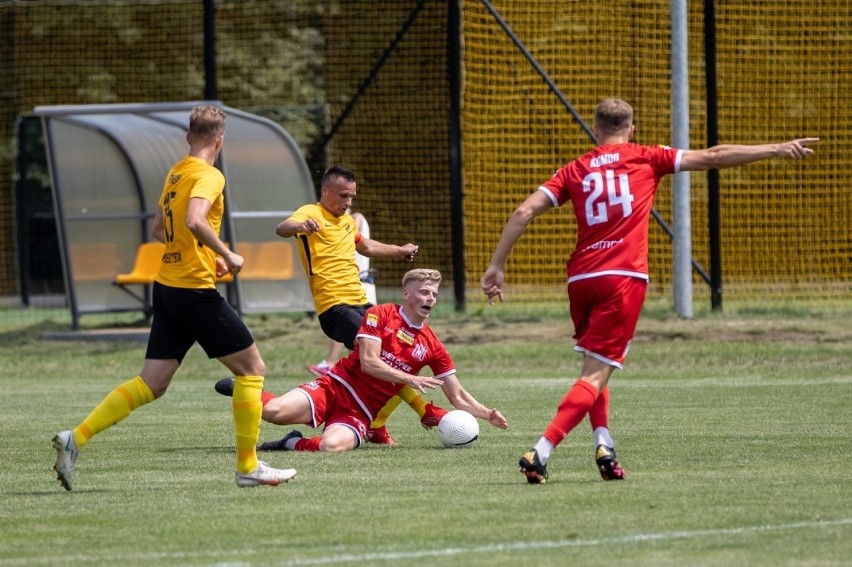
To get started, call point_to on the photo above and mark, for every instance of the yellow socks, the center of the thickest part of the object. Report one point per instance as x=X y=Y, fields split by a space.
x=247 y=410
x=135 y=393
x=411 y=396
x=382 y=418
x=113 y=408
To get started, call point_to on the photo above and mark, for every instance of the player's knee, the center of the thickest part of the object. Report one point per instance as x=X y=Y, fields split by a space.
x=333 y=447
x=157 y=385
x=257 y=367
x=159 y=390
x=337 y=442
x=273 y=412
x=252 y=361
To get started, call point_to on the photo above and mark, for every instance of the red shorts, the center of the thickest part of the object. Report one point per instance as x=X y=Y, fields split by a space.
x=332 y=404
x=605 y=311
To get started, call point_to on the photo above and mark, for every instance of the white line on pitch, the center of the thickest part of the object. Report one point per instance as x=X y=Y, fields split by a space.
x=217 y=557
x=532 y=545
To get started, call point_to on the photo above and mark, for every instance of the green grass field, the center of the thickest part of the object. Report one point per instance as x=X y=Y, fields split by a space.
x=735 y=431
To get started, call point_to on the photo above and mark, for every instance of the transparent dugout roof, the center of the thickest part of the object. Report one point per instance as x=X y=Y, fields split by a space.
x=107 y=165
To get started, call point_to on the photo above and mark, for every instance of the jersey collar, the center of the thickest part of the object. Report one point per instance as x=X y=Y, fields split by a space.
x=408 y=321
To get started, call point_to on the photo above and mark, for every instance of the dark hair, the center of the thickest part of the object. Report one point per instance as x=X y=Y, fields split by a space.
x=337 y=171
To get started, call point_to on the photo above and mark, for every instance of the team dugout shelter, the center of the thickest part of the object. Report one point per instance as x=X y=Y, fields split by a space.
x=107 y=164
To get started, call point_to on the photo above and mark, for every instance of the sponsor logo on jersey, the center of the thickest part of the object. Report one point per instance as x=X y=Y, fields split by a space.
x=171 y=257
x=405 y=336
x=393 y=361
x=419 y=352
x=372 y=320
x=604 y=244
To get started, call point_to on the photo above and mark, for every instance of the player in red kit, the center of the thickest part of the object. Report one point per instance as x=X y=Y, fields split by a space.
x=393 y=345
x=612 y=191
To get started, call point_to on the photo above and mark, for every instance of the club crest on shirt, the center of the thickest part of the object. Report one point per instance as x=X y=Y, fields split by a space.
x=372 y=320
x=405 y=337
x=419 y=352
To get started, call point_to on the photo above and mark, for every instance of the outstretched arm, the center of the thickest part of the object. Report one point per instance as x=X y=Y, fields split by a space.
x=290 y=227
x=373 y=248
x=463 y=400
x=727 y=155
x=533 y=206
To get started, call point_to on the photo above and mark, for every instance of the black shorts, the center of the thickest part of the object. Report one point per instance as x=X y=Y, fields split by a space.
x=341 y=322
x=183 y=317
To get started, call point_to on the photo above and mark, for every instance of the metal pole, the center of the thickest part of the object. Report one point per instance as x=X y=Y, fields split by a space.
x=319 y=144
x=455 y=150
x=713 y=207
x=682 y=256
x=23 y=213
x=586 y=128
x=210 y=85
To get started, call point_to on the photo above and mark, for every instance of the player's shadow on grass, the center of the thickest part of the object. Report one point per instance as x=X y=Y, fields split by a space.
x=61 y=492
x=197 y=449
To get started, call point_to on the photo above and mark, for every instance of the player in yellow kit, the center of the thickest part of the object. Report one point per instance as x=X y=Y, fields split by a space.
x=328 y=240
x=189 y=309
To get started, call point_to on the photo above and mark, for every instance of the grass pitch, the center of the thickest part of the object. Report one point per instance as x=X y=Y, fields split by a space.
x=735 y=431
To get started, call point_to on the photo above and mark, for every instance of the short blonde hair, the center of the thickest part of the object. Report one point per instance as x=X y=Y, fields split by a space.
x=206 y=122
x=421 y=275
x=613 y=115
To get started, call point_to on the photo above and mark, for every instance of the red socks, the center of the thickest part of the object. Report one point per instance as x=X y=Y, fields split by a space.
x=573 y=408
x=309 y=444
x=599 y=414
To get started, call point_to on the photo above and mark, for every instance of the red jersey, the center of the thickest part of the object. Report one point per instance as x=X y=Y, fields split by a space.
x=612 y=189
x=405 y=347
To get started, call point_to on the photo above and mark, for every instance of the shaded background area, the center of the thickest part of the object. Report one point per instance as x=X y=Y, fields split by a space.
x=376 y=72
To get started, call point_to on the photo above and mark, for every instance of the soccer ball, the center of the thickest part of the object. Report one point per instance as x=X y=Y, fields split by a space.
x=458 y=429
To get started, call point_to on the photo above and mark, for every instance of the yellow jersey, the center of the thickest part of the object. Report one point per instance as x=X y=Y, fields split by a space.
x=187 y=263
x=328 y=257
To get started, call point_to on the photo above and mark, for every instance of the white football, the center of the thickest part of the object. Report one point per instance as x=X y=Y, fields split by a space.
x=458 y=429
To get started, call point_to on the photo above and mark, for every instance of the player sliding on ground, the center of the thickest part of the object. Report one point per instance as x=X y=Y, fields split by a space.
x=393 y=344
x=612 y=191
x=328 y=240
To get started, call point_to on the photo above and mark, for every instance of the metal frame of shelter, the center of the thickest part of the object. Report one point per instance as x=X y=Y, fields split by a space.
x=107 y=164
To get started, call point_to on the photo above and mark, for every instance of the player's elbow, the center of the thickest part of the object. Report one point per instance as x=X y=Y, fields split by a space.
x=364 y=248
x=281 y=230
x=159 y=233
x=372 y=366
x=524 y=214
x=194 y=225
x=457 y=397
x=703 y=160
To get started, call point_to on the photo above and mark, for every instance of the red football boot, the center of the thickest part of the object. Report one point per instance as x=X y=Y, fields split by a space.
x=432 y=416
x=380 y=436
